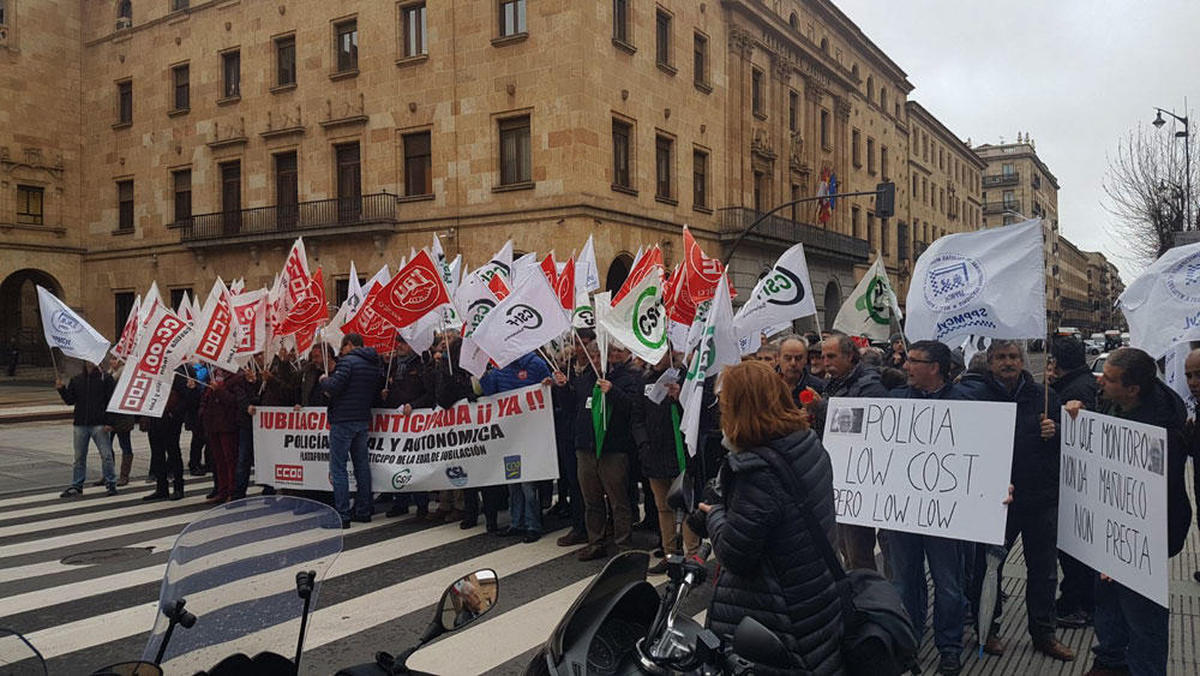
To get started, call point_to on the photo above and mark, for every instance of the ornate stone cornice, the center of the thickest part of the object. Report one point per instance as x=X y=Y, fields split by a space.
x=31 y=158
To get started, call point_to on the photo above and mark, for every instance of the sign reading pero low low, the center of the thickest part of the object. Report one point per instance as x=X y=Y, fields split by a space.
x=506 y=438
x=927 y=466
x=1112 y=504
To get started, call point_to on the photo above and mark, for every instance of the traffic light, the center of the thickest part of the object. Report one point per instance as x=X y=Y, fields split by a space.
x=885 y=200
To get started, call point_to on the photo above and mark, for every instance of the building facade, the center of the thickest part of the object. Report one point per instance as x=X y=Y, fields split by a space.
x=1073 y=285
x=179 y=141
x=1017 y=185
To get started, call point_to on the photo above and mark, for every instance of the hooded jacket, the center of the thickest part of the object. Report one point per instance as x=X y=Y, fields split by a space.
x=354 y=386
x=771 y=569
x=528 y=370
x=1035 y=467
x=89 y=394
x=1163 y=408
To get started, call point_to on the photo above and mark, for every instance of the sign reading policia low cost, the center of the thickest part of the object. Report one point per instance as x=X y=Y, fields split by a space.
x=504 y=438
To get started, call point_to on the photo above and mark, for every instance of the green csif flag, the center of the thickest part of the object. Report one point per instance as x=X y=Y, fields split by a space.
x=600 y=417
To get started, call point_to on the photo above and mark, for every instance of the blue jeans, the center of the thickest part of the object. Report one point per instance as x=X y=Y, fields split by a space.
x=907 y=553
x=103 y=440
x=525 y=507
x=348 y=440
x=1131 y=631
x=245 y=460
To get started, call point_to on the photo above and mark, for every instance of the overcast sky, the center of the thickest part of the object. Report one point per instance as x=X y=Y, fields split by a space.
x=1077 y=75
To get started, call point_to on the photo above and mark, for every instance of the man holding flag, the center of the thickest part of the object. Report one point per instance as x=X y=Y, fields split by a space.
x=89 y=393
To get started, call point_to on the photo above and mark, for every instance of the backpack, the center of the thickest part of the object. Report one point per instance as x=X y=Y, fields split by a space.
x=877 y=636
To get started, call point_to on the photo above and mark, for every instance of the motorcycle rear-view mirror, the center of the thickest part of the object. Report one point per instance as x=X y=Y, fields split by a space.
x=468 y=599
x=754 y=642
x=682 y=494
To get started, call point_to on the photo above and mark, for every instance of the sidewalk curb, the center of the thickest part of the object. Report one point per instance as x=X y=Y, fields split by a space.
x=10 y=419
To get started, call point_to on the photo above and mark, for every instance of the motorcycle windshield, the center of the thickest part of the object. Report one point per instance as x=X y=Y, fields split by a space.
x=18 y=656
x=621 y=571
x=235 y=567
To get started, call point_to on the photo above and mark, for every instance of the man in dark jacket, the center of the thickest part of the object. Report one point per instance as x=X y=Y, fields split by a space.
x=848 y=377
x=198 y=449
x=1075 y=382
x=1033 y=513
x=524 y=505
x=352 y=388
x=793 y=368
x=605 y=472
x=166 y=459
x=928 y=364
x=1132 y=632
x=89 y=393
x=408 y=387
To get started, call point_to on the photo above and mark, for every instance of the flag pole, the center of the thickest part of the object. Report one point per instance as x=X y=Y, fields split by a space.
x=585 y=354
x=57 y=375
x=324 y=351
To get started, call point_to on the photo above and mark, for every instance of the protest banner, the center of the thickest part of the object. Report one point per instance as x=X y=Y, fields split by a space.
x=928 y=466
x=1112 y=500
x=505 y=438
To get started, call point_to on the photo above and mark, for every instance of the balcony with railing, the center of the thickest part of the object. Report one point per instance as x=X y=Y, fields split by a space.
x=1001 y=180
x=340 y=215
x=994 y=208
x=779 y=228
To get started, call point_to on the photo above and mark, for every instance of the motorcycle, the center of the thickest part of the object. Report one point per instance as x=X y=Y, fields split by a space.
x=244 y=578
x=621 y=625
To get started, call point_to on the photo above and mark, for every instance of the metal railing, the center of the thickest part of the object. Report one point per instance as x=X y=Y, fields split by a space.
x=290 y=218
x=736 y=219
x=997 y=180
x=992 y=208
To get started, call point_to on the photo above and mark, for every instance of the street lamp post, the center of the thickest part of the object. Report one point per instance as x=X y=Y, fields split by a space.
x=1187 y=160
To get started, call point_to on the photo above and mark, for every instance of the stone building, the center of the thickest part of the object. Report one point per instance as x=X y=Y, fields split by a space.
x=178 y=140
x=944 y=187
x=1018 y=185
x=1073 y=284
x=1104 y=287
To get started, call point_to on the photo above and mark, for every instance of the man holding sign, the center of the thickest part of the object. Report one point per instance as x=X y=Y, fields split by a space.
x=1125 y=489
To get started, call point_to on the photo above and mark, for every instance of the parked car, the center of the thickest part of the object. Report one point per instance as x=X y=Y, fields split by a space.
x=1098 y=365
x=1093 y=346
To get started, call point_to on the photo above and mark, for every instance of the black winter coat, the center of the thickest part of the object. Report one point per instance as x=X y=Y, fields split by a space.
x=1163 y=408
x=409 y=382
x=89 y=394
x=354 y=386
x=770 y=568
x=281 y=385
x=656 y=448
x=1080 y=385
x=579 y=388
x=861 y=381
x=622 y=400
x=1036 y=460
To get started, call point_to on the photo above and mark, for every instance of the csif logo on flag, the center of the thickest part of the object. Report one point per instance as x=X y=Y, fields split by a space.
x=523 y=317
x=585 y=317
x=953 y=281
x=477 y=311
x=648 y=325
x=875 y=302
x=782 y=287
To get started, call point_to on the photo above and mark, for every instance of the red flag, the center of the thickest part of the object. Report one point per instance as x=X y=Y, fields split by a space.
x=295 y=273
x=550 y=270
x=700 y=273
x=564 y=286
x=308 y=311
x=498 y=288
x=415 y=291
x=368 y=323
x=651 y=259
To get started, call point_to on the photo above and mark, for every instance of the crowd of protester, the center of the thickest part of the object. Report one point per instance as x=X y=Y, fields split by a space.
x=616 y=467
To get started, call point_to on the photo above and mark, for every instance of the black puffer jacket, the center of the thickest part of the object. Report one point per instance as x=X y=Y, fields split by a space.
x=861 y=381
x=89 y=394
x=623 y=399
x=1080 y=385
x=1163 y=408
x=354 y=386
x=1036 y=460
x=771 y=570
x=656 y=447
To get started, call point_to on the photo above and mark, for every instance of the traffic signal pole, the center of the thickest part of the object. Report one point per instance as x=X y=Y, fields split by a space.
x=885 y=194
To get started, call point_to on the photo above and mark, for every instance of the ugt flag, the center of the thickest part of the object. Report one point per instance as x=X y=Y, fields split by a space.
x=68 y=332
x=987 y=283
x=1162 y=306
x=872 y=306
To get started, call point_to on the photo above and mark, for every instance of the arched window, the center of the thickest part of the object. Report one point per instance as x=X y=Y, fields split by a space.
x=825 y=45
x=125 y=9
x=870 y=88
x=3 y=7
x=883 y=98
x=618 y=270
x=854 y=72
x=794 y=21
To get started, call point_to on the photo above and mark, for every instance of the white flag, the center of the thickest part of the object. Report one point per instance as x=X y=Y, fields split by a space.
x=381 y=278
x=185 y=308
x=782 y=295
x=527 y=319
x=500 y=264
x=639 y=321
x=68 y=332
x=145 y=382
x=871 y=308
x=250 y=309
x=354 y=290
x=149 y=303
x=217 y=332
x=1162 y=306
x=718 y=348
x=129 y=333
x=987 y=283
x=524 y=266
x=587 y=275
